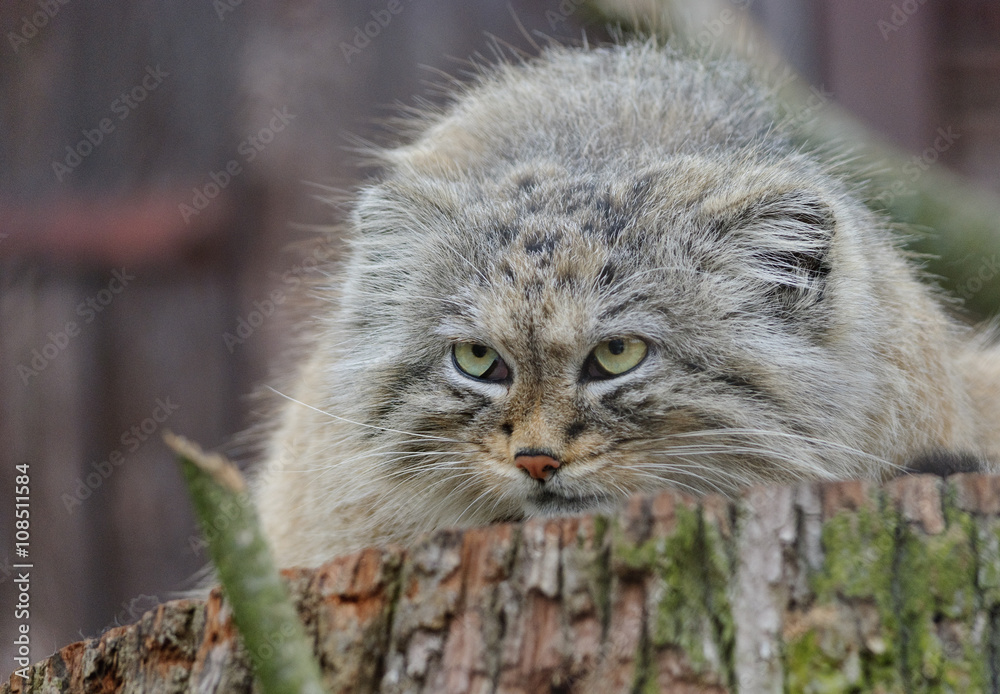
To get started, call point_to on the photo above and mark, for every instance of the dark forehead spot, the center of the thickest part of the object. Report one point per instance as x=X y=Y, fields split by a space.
x=611 y=218
x=503 y=234
x=527 y=183
x=567 y=280
x=614 y=213
x=641 y=187
x=533 y=290
x=605 y=206
x=508 y=271
x=580 y=195
x=538 y=245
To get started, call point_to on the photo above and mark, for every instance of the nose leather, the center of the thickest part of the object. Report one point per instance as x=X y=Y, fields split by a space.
x=540 y=467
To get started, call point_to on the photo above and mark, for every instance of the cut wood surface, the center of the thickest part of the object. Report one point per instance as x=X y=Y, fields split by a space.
x=834 y=587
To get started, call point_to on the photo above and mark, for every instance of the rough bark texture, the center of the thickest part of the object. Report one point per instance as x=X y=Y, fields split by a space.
x=815 y=588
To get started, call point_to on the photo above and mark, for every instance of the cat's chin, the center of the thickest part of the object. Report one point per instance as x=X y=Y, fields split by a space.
x=550 y=503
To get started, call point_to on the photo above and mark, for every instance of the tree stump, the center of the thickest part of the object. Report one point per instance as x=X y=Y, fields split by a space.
x=832 y=587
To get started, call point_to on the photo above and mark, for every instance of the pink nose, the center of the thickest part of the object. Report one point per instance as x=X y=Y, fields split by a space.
x=540 y=467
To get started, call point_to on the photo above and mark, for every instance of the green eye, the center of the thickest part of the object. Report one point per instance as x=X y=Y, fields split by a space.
x=615 y=357
x=479 y=361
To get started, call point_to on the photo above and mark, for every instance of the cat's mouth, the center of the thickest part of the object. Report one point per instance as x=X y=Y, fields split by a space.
x=549 y=502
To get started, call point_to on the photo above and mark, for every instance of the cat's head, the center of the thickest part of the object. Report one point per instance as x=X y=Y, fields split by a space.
x=544 y=340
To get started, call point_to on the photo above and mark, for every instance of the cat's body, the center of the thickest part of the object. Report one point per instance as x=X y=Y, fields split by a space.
x=630 y=207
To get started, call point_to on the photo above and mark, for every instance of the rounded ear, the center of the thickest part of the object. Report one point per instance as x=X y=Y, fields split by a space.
x=386 y=208
x=786 y=238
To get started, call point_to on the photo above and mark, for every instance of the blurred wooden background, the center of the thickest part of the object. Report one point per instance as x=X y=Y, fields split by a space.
x=119 y=306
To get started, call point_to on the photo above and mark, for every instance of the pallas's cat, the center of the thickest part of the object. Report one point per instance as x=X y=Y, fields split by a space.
x=599 y=273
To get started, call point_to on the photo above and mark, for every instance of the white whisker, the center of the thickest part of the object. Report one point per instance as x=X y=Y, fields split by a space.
x=362 y=424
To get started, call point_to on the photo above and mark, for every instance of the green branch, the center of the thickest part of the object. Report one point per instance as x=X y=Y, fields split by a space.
x=267 y=621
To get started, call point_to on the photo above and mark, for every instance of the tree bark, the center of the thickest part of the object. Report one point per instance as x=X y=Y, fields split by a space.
x=834 y=587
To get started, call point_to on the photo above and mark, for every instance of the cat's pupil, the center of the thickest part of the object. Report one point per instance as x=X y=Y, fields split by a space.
x=616 y=347
x=479 y=351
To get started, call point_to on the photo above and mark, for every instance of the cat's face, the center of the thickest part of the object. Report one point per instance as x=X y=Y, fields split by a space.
x=657 y=327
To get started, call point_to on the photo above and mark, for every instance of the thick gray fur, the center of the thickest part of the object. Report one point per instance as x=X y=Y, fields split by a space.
x=628 y=190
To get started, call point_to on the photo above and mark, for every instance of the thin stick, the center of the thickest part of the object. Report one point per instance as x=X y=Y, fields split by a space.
x=282 y=656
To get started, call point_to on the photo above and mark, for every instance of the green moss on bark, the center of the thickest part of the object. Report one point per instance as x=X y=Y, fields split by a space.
x=693 y=612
